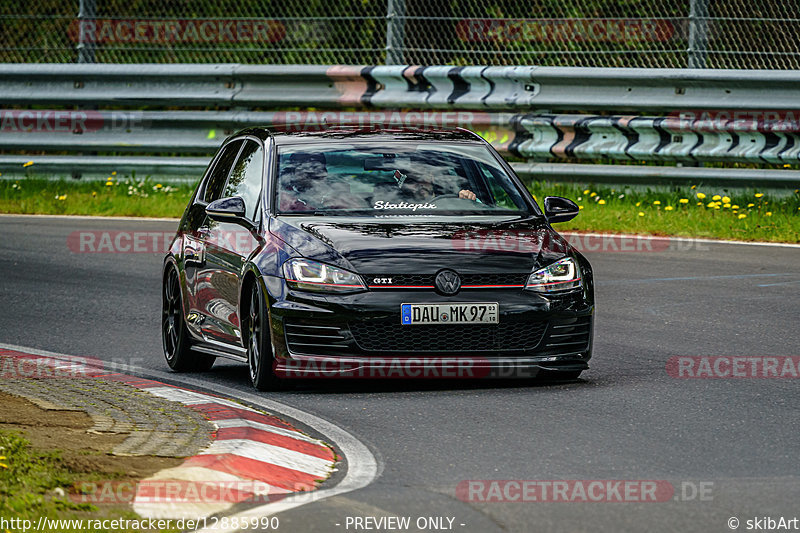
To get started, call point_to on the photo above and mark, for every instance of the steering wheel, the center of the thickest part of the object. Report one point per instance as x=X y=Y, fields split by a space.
x=442 y=196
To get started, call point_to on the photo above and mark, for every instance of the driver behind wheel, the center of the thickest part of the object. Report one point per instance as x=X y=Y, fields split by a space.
x=423 y=189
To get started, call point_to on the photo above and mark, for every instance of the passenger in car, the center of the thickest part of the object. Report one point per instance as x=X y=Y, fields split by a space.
x=309 y=186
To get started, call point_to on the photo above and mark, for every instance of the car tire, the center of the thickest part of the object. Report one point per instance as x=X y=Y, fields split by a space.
x=175 y=339
x=259 y=345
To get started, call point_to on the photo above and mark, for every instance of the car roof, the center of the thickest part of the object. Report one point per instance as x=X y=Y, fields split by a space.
x=358 y=133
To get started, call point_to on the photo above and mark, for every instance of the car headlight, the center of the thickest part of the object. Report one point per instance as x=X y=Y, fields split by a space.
x=563 y=275
x=307 y=275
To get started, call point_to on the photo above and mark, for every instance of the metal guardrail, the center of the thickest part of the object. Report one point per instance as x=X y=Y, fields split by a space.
x=398 y=86
x=193 y=167
x=503 y=104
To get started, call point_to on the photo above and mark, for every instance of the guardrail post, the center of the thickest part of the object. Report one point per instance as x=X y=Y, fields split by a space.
x=87 y=12
x=698 y=33
x=395 y=31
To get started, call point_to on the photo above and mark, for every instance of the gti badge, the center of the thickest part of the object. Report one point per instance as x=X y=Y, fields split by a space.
x=382 y=281
x=448 y=282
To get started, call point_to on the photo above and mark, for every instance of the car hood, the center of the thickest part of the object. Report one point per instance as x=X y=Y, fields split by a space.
x=410 y=246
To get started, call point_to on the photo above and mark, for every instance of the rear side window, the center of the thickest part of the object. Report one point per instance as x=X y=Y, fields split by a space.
x=245 y=180
x=219 y=174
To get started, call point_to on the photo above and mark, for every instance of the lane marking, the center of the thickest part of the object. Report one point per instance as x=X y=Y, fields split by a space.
x=91 y=217
x=781 y=283
x=679 y=239
x=696 y=278
x=564 y=233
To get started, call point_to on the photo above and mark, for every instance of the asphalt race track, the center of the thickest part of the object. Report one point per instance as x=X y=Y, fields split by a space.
x=728 y=447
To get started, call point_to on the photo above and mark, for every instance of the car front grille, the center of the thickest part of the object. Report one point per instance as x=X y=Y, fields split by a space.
x=568 y=334
x=385 y=336
x=427 y=280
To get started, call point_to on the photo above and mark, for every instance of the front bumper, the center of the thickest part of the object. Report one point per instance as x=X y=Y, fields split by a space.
x=360 y=335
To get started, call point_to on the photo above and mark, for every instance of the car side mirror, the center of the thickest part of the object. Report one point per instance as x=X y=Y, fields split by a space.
x=229 y=209
x=558 y=209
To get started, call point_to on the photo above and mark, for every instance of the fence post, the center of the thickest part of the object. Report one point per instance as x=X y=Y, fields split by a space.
x=698 y=33
x=395 y=31
x=87 y=11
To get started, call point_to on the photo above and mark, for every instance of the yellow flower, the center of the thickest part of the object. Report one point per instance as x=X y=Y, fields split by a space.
x=716 y=197
x=735 y=207
x=3 y=465
x=726 y=199
x=701 y=195
x=586 y=191
x=712 y=204
x=601 y=202
x=62 y=197
x=114 y=173
x=656 y=203
x=699 y=203
x=694 y=186
x=668 y=208
x=726 y=206
x=768 y=213
x=94 y=193
x=742 y=216
x=29 y=163
x=641 y=214
x=750 y=205
x=759 y=194
x=593 y=195
x=684 y=200
x=580 y=207
x=109 y=183
x=158 y=186
x=716 y=206
x=638 y=204
x=787 y=166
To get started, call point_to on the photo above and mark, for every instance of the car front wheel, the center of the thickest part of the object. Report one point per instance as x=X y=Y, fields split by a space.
x=174 y=335
x=259 y=347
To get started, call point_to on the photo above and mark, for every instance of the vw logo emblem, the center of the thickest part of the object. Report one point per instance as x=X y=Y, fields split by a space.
x=448 y=282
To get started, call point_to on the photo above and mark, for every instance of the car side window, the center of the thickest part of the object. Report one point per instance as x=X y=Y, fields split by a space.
x=219 y=174
x=245 y=180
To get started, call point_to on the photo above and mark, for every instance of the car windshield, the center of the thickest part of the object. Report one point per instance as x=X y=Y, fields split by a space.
x=395 y=178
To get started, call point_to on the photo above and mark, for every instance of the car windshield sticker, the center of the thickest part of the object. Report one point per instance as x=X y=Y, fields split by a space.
x=381 y=204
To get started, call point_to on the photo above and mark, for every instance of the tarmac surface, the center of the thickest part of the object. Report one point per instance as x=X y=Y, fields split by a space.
x=727 y=447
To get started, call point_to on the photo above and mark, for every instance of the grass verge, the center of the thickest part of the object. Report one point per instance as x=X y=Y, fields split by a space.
x=36 y=483
x=696 y=211
x=703 y=211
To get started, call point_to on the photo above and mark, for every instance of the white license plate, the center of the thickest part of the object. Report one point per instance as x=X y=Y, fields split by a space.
x=469 y=313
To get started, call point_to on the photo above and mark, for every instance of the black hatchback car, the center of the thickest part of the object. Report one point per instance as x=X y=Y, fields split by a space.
x=373 y=253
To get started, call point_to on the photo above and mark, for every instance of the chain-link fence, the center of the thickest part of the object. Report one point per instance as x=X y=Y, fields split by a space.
x=615 y=33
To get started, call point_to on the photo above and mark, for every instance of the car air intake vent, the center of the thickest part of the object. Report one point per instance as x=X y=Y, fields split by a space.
x=301 y=338
x=384 y=336
x=569 y=335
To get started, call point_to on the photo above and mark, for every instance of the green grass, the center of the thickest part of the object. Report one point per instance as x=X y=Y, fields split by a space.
x=116 y=197
x=29 y=479
x=771 y=217
x=605 y=209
